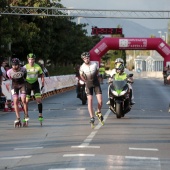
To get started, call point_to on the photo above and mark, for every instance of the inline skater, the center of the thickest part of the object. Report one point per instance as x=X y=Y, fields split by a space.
x=18 y=74
x=32 y=84
x=89 y=74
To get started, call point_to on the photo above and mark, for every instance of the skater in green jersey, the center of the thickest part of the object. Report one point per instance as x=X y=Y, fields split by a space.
x=33 y=72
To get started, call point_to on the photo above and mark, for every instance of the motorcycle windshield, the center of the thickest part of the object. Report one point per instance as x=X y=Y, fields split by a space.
x=119 y=84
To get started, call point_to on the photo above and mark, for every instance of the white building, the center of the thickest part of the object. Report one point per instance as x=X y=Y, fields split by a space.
x=154 y=62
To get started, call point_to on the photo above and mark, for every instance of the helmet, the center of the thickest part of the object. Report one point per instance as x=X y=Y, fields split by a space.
x=15 y=61
x=85 y=54
x=119 y=66
x=119 y=60
x=31 y=55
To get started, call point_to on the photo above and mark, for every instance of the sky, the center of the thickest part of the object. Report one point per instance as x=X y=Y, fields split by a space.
x=125 y=5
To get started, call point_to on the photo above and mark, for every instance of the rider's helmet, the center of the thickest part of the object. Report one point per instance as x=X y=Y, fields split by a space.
x=15 y=61
x=119 y=60
x=85 y=54
x=119 y=67
x=31 y=55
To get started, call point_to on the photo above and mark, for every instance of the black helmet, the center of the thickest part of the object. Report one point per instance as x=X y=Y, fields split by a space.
x=85 y=54
x=15 y=61
x=31 y=55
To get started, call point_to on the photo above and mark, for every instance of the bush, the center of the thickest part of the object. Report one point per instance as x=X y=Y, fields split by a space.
x=61 y=70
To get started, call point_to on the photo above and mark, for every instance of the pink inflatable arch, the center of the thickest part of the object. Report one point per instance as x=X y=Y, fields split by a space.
x=110 y=43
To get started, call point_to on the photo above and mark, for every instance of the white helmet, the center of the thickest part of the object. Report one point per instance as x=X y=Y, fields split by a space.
x=119 y=60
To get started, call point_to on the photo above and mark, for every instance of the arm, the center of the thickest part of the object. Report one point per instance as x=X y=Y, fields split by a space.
x=42 y=79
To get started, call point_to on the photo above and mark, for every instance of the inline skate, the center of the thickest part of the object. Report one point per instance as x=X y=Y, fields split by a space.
x=17 y=123
x=100 y=117
x=92 y=120
x=25 y=121
x=40 y=118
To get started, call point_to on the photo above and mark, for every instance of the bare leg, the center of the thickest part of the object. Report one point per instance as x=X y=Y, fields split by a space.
x=16 y=107
x=90 y=105
x=23 y=99
x=100 y=103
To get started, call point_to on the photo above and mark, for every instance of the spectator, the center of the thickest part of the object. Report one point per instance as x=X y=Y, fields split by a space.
x=4 y=72
x=45 y=71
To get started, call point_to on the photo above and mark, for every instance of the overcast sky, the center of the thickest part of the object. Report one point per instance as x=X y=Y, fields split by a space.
x=125 y=4
x=119 y=4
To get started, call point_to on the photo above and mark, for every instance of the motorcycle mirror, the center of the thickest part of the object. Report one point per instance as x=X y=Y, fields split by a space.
x=130 y=75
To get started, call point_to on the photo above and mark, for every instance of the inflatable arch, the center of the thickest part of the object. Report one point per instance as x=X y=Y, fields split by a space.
x=110 y=43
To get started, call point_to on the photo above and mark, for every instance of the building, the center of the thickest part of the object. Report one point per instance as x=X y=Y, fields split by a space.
x=154 y=62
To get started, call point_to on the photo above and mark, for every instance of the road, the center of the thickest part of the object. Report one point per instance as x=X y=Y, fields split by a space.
x=139 y=141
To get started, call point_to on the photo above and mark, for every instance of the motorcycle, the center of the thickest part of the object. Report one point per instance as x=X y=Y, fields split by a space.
x=81 y=91
x=120 y=96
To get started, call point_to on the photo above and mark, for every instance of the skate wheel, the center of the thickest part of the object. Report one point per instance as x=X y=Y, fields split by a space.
x=25 y=124
x=92 y=125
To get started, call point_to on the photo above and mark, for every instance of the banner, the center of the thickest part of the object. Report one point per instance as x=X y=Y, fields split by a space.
x=51 y=84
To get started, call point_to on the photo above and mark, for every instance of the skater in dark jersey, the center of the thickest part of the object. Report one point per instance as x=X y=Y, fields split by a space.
x=18 y=74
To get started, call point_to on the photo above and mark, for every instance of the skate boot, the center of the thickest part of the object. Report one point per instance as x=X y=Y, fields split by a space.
x=40 y=118
x=25 y=121
x=17 y=123
x=100 y=117
x=92 y=122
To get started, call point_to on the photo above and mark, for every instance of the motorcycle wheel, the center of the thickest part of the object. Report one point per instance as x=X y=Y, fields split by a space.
x=118 y=110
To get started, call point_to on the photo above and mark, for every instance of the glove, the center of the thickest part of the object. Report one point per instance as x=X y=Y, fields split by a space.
x=42 y=88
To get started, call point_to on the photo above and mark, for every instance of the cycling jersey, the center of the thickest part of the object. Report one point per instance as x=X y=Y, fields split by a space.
x=17 y=76
x=89 y=72
x=33 y=72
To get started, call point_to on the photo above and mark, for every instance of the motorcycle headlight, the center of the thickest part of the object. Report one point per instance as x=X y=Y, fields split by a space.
x=81 y=82
x=114 y=93
x=123 y=92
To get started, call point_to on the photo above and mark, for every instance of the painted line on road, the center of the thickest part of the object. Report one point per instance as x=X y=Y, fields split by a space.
x=141 y=158
x=89 y=138
x=105 y=117
x=28 y=148
x=84 y=146
x=74 y=155
x=16 y=157
x=69 y=169
x=144 y=149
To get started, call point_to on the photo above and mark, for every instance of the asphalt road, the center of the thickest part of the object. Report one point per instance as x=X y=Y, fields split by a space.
x=139 y=141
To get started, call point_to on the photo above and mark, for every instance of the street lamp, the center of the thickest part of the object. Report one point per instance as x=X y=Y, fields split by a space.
x=166 y=35
x=160 y=34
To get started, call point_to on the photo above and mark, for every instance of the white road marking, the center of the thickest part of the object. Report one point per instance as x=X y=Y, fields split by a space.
x=74 y=155
x=16 y=157
x=28 y=148
x=89 y=138
x=144 y=149
x=105 y=117
x=141 y=158
x=69 y=169
x=84 y=146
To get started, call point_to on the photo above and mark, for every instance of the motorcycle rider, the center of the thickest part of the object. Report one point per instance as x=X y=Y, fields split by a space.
x=121 y=70
x=89 y=74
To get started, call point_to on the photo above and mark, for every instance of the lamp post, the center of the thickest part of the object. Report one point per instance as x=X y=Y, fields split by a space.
x=166 y=37
x=160 y=34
